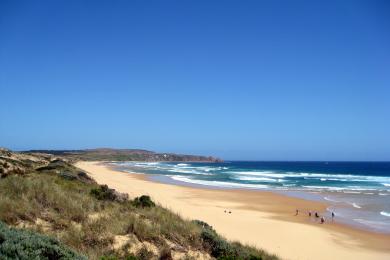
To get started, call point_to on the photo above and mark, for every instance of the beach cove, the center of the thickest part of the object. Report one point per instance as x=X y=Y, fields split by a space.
x=260 y=218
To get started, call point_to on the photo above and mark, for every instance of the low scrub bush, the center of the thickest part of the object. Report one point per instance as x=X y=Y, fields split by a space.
x=216 y=245
x=144 y=202
x=103 y=192
x=202 y=224
x=25 y=245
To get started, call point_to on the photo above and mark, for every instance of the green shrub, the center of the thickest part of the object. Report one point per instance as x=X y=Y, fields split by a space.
x=21 y=244
x=218 y=247
x=105 y=193
x=68 y=176
x=144 y=202
x=202 y=224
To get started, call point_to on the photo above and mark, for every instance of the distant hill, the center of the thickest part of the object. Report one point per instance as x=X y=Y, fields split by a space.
x=108 y=154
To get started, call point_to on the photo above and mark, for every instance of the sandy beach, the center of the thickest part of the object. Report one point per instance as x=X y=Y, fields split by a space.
x=262 y=219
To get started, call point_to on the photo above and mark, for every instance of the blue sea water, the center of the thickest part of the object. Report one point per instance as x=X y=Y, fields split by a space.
x=358 y=192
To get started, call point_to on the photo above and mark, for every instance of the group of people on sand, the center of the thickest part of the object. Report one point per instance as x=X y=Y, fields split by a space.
x=316 y=215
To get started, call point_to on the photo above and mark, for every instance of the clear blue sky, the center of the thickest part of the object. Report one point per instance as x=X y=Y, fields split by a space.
x=266 y=80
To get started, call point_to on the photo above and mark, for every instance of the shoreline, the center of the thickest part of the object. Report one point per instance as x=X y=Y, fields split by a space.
x=301 y=195
x=261 y=218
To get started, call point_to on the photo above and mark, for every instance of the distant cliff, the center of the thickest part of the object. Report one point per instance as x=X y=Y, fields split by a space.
x=108 y=154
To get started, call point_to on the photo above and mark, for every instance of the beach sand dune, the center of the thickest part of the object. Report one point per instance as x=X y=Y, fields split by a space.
x=262 y=219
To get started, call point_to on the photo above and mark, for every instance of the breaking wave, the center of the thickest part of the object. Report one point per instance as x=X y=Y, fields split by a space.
x=218 y=183
x=384 y=213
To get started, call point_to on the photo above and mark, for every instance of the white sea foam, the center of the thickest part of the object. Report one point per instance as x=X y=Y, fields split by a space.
x=386 y=184
x=260 y=173
x=182 y=164
x=128 y=171
x=346 y=189
x=218 y=183
x=195 y=168
x=189 y=171
x=207 y=169
x=248 y=178
x=323 y=187
x=319 y=176
x=329 y=199
x=384 y=213
x=147 y=163
x=144 y=164
x=351 y=192
x=356 y=205
x=336 y=179
x=378 y=225
x=359 y=188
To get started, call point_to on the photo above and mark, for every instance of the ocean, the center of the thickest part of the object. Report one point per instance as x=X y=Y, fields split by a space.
x=358 y=192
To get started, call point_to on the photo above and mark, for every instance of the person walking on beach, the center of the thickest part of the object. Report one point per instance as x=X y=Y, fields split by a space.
x=309 y=213
x=316 y=215
x=322 y=220
x=296 y=212
x=332 y=215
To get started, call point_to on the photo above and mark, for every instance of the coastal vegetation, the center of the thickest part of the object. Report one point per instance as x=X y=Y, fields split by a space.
x=59 y=211
x=24 y=244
